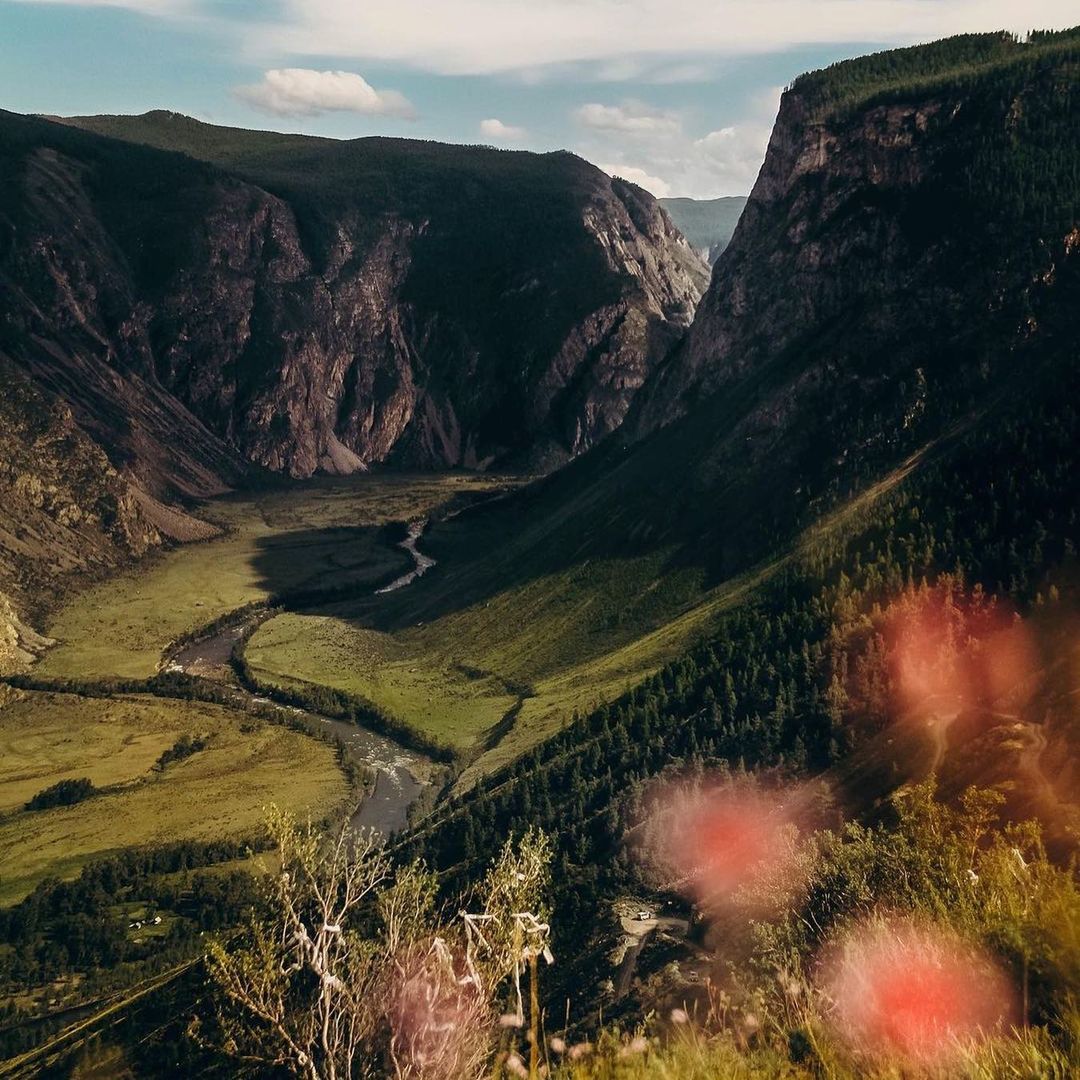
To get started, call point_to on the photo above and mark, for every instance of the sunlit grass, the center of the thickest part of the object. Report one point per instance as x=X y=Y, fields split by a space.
x=311 y=535
x=220 y=791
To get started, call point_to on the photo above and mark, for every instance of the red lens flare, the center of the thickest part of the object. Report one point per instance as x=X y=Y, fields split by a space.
x=728 y=842
x=917 y=993
x=948 y=653
x=437 y=1020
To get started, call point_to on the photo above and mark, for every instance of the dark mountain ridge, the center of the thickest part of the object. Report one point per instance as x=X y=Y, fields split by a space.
x=365 y=300
x=204 y=303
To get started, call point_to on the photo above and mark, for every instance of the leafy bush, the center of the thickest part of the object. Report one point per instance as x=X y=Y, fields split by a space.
x=64 y=793
x=184 y=747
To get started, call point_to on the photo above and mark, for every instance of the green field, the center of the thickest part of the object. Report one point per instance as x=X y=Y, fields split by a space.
x=325 y=533
x=220 y=791
x=453 y=654
x=317 y=534
x=558 y=643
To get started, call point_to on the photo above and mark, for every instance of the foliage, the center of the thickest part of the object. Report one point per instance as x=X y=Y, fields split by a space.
x=354 y=970
x=950 y=866
x=64 y=793
x=75 y=936
x=959 y=867
x=183 y=748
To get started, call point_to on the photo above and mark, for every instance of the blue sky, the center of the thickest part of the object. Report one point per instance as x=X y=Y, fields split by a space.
x=676 y=94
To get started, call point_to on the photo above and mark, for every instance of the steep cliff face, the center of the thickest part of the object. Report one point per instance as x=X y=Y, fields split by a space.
x=308 y=305
x=908 y=240
x=907 y=262
x=64 y=511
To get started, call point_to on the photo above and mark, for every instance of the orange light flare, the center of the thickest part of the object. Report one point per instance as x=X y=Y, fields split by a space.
x=948 y=653
x=902 y=991
x=728 y=843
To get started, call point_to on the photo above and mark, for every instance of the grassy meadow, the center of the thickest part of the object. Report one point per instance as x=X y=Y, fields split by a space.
x=318 y=534
x=326 y=533
x=219 y=791
x=494 y=650
x=544 y=648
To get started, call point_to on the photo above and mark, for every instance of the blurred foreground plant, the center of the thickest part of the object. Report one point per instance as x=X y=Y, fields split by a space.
x=353 y=970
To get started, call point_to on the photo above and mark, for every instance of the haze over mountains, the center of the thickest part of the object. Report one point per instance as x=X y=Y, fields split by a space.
x=708 y=224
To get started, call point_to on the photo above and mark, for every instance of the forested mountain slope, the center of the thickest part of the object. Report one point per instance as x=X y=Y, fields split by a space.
x=877 y=399
x=901 y=259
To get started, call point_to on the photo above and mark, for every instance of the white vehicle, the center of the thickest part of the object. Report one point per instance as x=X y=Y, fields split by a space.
x=642 y=915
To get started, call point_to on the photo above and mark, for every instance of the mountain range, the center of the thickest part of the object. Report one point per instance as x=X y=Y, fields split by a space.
x=708 y=224
x=741 y=485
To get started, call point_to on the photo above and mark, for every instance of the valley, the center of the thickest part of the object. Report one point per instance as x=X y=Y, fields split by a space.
x=322 y=534
x=112 y=639
x=422 y=488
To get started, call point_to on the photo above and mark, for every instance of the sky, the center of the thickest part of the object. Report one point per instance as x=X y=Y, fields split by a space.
x=677 y=95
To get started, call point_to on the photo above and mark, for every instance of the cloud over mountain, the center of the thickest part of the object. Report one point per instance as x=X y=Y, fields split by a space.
x=305 y=92
x=631 y=118
x=653 y=147
x=493 y=128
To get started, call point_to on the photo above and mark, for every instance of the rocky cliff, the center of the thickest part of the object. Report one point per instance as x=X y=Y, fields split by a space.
x=64 y=510
x=910 y=237
x=309 y=305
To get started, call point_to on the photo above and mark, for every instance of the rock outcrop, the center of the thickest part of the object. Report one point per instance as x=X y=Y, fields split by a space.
x=306 y=305
x=905 y=244
x=65 y=511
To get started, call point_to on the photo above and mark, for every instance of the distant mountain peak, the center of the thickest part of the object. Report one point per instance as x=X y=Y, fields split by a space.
x=707 y=224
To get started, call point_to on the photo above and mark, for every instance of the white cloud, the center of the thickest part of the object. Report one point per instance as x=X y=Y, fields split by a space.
x=724 y=161
x=146 y=7
x=631 y=118
x=487 y=36
x=496 y=129
x=635 y=175
x=304 y=92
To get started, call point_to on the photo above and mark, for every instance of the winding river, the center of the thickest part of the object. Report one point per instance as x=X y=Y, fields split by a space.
x=397 y=770
x=421 y=563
